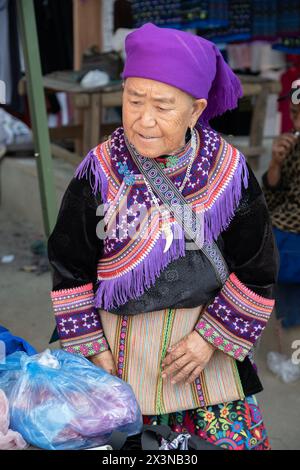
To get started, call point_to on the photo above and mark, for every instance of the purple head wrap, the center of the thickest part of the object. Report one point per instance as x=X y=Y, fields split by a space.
x=185 y=61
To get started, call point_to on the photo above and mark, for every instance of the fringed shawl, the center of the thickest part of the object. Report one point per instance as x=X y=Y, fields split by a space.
x=131 y=264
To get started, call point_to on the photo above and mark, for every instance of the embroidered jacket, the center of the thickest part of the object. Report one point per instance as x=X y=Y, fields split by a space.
x=238 y=220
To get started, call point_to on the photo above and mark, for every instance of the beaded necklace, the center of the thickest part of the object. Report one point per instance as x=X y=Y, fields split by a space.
x=165 y=226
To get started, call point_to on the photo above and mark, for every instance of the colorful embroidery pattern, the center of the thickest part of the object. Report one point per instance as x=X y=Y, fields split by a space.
x=139 y=343
x=205 y=328
x=122 y=360
x=131 y=264
x=78 y=323
x=123 y=170
x=235 y=319
x=169 y=162
x=200 y=391
x=167 y=329
x=236 y=425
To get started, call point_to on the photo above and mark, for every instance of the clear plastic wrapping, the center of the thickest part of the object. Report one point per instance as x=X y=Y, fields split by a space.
x=62 y=401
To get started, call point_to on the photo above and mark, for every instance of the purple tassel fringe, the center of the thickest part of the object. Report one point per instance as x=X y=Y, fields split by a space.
x=219 y=216
x=90 y=168
x=133 y=284
x=114 y=292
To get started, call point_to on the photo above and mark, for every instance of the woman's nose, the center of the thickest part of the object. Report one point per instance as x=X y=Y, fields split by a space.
x=148 y=117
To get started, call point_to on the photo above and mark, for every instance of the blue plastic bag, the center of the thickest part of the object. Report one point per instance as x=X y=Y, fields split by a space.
x=61 y=401
x=14 y=343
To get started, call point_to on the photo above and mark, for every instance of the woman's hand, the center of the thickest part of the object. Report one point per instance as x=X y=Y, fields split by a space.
x=281 y=147
x=187 y=358
x=104 y=360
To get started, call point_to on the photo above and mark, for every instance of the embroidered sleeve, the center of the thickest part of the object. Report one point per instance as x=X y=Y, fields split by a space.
x=73 y=251
x=235 y=319
x=78 y=322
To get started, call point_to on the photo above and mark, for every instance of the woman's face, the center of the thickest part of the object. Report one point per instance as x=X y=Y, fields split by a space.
x=295 y=115
x=156 y=116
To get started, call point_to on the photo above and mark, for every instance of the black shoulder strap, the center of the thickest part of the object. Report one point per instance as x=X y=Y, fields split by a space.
x=150 y=438
x=117 y=440
x=175 y=201
x=151 y=433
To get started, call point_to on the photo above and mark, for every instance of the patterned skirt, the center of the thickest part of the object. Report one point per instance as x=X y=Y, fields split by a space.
x=237 y=425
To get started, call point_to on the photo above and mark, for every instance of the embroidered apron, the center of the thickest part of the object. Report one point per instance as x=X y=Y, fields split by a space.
x=139 y=344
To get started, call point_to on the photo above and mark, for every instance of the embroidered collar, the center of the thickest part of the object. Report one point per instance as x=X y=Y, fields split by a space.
x=130 y=264
x=179 y=157
x=171 y=167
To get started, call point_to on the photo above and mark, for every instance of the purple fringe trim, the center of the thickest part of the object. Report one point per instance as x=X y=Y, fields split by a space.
x=114 y=292
x=219 y=216
x=90 y=168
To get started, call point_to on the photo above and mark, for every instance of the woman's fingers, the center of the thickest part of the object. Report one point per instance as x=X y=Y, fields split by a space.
x=184 y=372
x=194 y=375
x=285 y=143
x=172 y=356
x=283 y=147
x=191 y=353
x=179 y=347
x=288 y=138
x=176 y=365
x=105 y=361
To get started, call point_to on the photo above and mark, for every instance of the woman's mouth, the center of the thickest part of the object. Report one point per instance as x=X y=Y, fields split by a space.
x=147 y=137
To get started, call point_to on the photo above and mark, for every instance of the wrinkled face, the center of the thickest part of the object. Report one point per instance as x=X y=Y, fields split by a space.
x=156 y=116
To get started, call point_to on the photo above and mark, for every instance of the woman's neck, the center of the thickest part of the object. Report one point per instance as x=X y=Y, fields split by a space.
x=181 y=149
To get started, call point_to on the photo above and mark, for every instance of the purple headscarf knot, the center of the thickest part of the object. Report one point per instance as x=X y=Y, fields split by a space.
x=185 y=61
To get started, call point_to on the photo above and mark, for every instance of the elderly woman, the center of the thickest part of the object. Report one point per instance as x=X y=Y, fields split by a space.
x=173 y=310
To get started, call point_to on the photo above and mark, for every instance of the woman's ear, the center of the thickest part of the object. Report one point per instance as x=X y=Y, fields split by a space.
x=198 y=108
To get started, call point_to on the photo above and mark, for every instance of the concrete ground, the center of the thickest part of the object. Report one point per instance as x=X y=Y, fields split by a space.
x=26 y=308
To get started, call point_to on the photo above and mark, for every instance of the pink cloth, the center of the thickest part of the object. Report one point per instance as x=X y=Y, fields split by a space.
x=9 y=440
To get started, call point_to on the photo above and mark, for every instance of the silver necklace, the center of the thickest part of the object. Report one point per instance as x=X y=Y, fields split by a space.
x=166 y=229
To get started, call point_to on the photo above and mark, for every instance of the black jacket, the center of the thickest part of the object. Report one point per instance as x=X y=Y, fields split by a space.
x=247 y=245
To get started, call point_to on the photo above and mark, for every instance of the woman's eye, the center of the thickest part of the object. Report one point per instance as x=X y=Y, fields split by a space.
x=162 y=109
x=135 y=102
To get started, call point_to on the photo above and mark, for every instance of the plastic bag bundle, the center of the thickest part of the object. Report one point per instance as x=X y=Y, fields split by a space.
x=283 y=367
x=13 y=343
x=9 y=440
x=61 y=401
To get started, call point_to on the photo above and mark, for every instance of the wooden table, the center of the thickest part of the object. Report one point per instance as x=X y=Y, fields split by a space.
x=88 y=129
x=260 y=88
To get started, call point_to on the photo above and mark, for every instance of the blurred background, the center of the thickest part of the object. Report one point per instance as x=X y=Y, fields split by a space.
x=60 y=95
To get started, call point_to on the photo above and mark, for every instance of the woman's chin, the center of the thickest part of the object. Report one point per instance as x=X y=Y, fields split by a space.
x=147 y=152
x=146 y=147
x=148 y=155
